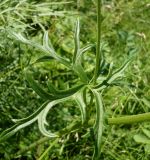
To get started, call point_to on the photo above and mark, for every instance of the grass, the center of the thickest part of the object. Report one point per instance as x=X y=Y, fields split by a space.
x=124 y=32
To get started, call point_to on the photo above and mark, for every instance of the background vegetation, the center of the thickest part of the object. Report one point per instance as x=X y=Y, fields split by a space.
x=125 y=31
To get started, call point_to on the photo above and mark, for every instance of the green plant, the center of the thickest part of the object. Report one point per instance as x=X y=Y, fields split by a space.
x=84 y=89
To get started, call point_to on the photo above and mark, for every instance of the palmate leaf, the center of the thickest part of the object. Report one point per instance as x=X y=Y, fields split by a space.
x=98 y=127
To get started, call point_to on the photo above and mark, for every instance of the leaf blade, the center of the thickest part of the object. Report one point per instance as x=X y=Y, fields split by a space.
x=43 y=94
x=79 y=98
x=76 y=40
x=42 y=117
x=98 y=127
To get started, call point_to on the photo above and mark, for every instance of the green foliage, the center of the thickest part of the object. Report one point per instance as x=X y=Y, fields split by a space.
x=60 y=72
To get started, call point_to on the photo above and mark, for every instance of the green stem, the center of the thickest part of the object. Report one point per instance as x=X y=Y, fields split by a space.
x=129 y=119
x=111 y=121
x=98 y=52
x=48 y=149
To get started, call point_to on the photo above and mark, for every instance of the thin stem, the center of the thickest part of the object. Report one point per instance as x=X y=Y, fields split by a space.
x=48 y=149
x=98 y=52
x=129 y=119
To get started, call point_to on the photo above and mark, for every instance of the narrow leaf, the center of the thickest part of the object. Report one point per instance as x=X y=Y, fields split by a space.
x=81 y=52
x=19 y=37
x=44 y=59
x=80 y=101
x=119 y=72
x=98 y=127
x=11 y=131
x=81 y=73
x=77 y=55
x=36 y=87
x=76 y=40
x=42 y=117
x=52 y=88
x=66 y=92
x=48 y=46
x=41 y=125
x=32 y=115
x=86 y=48
x=45 y=48
x=21 y=123
x=112 y=77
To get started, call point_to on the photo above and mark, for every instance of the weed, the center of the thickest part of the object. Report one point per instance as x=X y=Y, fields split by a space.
x=85 y=89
